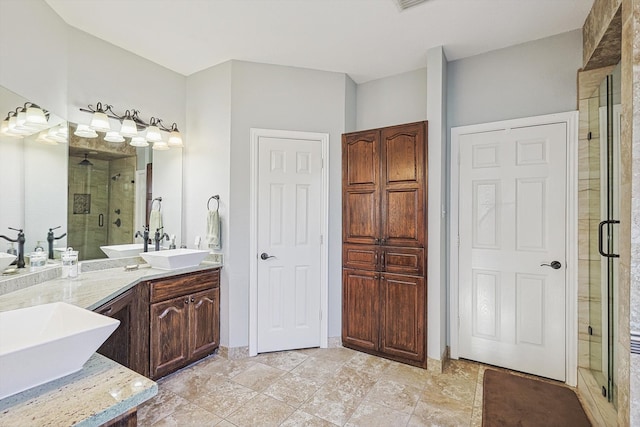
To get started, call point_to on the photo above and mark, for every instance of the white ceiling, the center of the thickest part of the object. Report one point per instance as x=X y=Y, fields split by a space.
x=367 y=39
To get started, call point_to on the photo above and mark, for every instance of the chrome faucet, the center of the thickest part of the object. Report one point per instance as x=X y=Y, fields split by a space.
x=158 y=238
x=145 y=236
x=50 y=239
x=20 y=239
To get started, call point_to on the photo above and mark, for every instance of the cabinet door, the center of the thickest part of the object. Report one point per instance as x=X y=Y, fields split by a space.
x=120 y=344
x=360 y=308
x=402 y=260
x=363 y=257
x=361 y=187
x=403 y=319
x=169 y=335
x=403 y=185
x=204 y=328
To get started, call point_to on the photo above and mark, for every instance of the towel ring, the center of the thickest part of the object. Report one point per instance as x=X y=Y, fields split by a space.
x=159 y=200
x=217 y=199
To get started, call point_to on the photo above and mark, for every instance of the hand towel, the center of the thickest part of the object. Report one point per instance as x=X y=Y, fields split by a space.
x=155 y=221
x=213 y=230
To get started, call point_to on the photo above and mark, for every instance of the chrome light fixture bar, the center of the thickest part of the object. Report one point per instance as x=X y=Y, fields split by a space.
x=24 y=121
x=130 y=126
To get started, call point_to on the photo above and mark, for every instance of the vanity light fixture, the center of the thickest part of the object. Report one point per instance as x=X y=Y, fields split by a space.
x=26 y=120
x=131 y=126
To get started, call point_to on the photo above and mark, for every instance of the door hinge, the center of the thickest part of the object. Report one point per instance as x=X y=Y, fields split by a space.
x=322 y=163
x=321 y=239
x=589 y=136
x=458 y=240
x=590 y=330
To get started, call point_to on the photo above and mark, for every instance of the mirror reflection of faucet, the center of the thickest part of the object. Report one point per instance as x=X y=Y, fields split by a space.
x=51 y=238
x=20 y=240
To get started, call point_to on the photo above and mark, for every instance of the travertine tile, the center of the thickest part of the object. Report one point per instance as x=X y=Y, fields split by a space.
x=394 y=395
x=284 y=360
x=293 y=389
x=373 y=415
x=258 y=377
x=188 y=415
x=444 y=412
x=225 y=398
x=352 y=381
x=301 y=418
x=161 y=406
x=366 y=362
x=409 y=375
x=332 y=405
x=317 y=368
x=261 y=411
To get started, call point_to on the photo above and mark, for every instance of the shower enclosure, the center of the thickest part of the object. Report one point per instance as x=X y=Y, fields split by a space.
x=603 y=216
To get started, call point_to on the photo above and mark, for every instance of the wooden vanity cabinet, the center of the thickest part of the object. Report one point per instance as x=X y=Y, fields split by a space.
x=184 y=320
x=384 y=295
x=129 y=343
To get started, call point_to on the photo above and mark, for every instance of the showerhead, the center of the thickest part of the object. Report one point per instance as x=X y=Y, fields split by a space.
x=86 y=161
x=115 y=177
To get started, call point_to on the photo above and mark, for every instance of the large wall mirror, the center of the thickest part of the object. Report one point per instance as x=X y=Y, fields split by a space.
x=98 y=192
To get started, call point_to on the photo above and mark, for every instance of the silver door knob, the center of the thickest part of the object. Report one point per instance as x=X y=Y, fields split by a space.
x=265 y=255
x=554 y=264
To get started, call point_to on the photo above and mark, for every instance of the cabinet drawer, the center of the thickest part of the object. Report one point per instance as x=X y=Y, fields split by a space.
x=363 y=257
x=172 y=287
x=403 y=260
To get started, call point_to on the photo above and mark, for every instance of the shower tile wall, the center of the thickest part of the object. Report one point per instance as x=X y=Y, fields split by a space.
x=84 y=233
x=122 y=198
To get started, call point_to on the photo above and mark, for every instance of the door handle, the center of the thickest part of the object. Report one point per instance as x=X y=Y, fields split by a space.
x=554 y=264
x=265 y=256
x=600 y=233
x=100 y=220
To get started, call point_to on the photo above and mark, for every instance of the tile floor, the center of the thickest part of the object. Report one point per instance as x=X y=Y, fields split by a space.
x=316 y=387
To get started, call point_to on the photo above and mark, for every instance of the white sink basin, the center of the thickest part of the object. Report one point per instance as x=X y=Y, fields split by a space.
x=125 y=251
x=174 y=258
x=6 y=260
x=45 y=342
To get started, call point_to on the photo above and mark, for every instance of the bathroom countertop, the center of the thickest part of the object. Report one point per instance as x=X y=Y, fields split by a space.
x=90 y=289
x=101 y=391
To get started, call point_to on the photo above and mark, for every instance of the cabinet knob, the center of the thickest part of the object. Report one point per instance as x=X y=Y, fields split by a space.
x=381 y=277
x=376 y=241
x=193 y=299
x=186 y=301
x=375 y=277
x=383 y=240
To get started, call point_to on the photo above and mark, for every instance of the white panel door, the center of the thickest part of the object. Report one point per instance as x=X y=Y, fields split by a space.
x=289 y=245
x=512 y=219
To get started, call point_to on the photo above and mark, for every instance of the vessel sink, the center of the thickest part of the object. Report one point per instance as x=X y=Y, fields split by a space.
x=174 y=258
x=6 y=260
x=125 y=251
x=45 y=342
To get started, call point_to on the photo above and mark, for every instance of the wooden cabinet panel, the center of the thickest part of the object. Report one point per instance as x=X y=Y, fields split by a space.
x=204 y=328
x=403 y=260
x=169 y=335
x=182 y=285
x=403 y=154
x=360 y=161
x=128 y=344
x=361 y=217
x=404 y=217
x=185 y=327
x=363 y=257
x=360 y=308
x=403 y=316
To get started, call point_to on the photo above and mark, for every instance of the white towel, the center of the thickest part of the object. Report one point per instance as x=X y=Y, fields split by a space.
x=155 y=221
x=213 y=230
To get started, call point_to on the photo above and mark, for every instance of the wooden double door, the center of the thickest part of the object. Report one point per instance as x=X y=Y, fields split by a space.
x=384 y=234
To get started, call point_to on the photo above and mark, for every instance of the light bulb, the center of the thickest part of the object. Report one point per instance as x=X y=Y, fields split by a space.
x=100 y=122
x=138 y=141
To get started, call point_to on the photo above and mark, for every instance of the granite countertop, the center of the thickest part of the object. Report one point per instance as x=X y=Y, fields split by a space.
x=111 y=389
x=103 y=389
x=90 y=289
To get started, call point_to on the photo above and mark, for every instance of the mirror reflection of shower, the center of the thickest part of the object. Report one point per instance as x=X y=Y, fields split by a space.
x=102 y=194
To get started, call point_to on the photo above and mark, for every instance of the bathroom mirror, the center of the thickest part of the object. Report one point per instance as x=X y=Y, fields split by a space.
x=33 y=181
x=40 y=184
